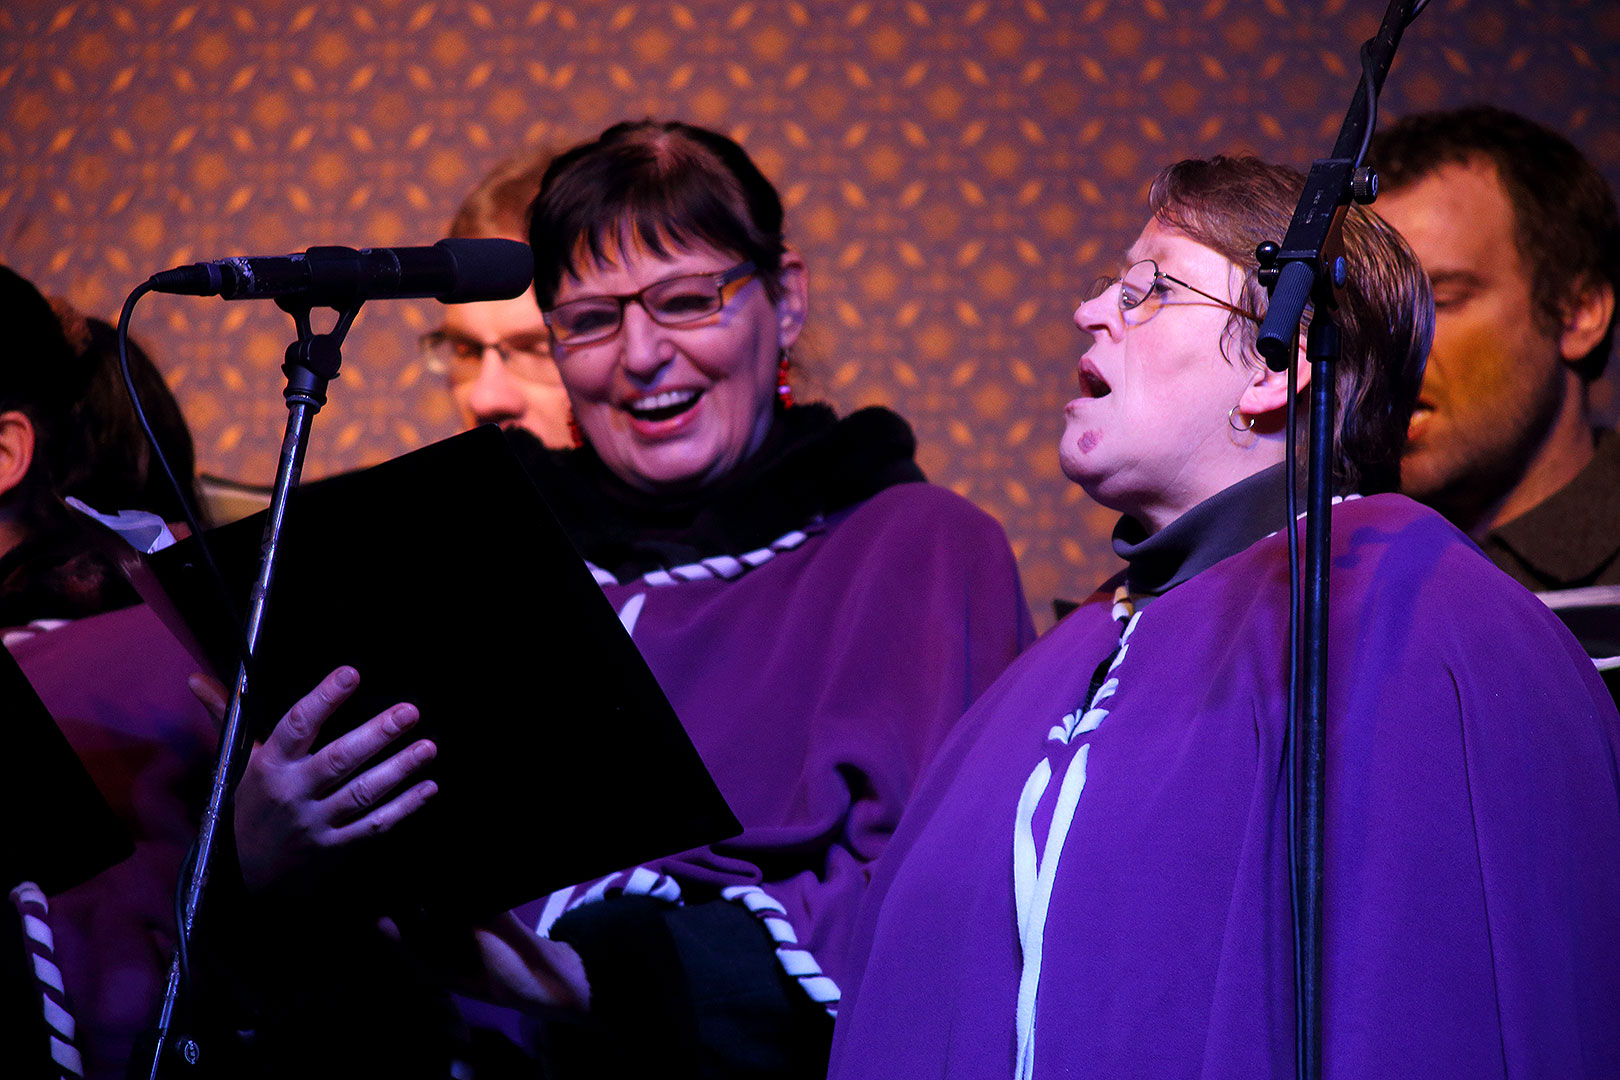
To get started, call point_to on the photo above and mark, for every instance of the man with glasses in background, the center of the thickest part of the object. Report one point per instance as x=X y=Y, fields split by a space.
x=496 y=354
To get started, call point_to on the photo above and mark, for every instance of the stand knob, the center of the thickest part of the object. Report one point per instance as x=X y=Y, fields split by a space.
x=1364 y=185
x=1266 y=254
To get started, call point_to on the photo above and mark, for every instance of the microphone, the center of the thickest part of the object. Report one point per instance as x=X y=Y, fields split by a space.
x=451 y=271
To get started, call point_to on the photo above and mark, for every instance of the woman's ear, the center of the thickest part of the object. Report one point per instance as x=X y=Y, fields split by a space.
x=792 y=299
x=16 y=449
x=1267 y=392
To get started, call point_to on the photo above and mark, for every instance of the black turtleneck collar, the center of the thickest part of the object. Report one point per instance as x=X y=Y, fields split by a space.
x=811 y=464
x=1220 y=526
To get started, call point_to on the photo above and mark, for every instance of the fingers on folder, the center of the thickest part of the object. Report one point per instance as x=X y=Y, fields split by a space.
x=293 y=803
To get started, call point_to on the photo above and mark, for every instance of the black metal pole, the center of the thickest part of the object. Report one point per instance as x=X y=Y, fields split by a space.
x=312 y=361
x=1308 y=268
x=1322 y=349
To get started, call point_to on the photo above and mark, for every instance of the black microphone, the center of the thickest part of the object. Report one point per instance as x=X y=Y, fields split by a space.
x=451 y=271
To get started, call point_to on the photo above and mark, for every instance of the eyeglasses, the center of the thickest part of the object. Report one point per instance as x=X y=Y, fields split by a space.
x=676 y=301
x=526 y=356
x=1142 y=293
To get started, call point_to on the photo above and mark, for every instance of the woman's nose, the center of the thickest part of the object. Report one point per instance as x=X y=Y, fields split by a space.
x=494 y=397
x=1100 y=313
x=646 y=347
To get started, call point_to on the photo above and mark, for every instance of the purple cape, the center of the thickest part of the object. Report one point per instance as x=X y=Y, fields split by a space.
x=818 y=679
x=1473 y=841
x=116 y=684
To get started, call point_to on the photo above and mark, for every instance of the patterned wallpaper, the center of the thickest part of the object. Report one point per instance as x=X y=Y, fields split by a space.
x=955 y=174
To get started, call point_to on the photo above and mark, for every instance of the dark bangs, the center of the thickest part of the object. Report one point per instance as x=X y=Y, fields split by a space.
x=665 y=186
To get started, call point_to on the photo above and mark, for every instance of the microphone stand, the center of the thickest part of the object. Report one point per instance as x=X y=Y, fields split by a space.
x=311 y=362
x=1309 y=267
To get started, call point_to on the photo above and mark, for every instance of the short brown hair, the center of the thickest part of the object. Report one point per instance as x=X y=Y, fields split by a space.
x=668 y=182
x=499 y=205
x=1566 y=225
x=1386 y=313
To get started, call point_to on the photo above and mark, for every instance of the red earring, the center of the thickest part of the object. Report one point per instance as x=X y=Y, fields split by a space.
x=784 y=388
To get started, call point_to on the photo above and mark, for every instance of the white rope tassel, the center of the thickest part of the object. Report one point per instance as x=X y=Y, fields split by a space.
x=1024 y=862
x=637 y=881
x=641 y=881
x=1034 y=878
x=41 y=944
x=1032 y=886
x=723 y=567
x=797 y=962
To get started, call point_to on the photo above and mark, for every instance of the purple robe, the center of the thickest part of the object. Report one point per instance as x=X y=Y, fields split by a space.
x=1473 y=840
x=116 y=684
x=816 y=678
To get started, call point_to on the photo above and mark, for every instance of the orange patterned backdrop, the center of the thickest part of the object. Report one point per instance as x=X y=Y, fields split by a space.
x=955 y=174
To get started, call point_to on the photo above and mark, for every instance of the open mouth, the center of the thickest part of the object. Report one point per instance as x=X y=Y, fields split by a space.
x=1093 y=385
x=664 y=406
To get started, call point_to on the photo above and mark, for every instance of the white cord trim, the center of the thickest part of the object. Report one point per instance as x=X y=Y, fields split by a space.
x=1303 y=514
x=60 y=1020
x=1033 y=878
x=48 y=973
x=67 y=1057
x=1033 y=888
x=40 y=942
x=723 y=567
x=797 y=961
x=1089 y=715
x=36 y=928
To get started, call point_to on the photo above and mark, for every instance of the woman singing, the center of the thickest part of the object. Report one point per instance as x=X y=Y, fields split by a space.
x=1093 y=877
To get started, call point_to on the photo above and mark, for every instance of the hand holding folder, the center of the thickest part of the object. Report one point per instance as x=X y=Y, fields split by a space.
x=444 y=579
x=297 y=806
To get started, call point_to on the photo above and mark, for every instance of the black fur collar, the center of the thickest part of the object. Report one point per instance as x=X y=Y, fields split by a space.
x=810 y=465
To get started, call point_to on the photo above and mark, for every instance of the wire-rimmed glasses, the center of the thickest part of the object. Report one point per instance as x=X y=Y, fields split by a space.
x=527 y=356
x=1142 y=292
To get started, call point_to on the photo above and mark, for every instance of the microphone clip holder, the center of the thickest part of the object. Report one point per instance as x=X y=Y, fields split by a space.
x=1309 y=265
x=314 y=359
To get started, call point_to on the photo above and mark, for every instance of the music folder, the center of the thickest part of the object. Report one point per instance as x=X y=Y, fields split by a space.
x=445 y=580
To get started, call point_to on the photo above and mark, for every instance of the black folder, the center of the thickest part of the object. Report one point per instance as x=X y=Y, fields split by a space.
x=446 y=581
